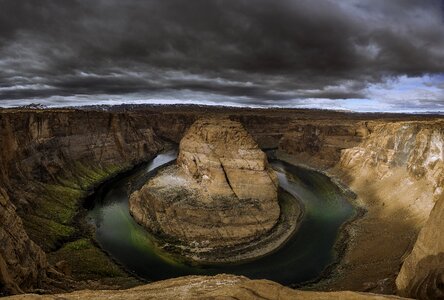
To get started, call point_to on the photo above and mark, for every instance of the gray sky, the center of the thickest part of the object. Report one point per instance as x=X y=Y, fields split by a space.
x=374 y=55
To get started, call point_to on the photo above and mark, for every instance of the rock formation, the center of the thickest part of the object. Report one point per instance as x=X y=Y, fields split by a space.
x=210 y=287
x=221 y=193
x=422 y=274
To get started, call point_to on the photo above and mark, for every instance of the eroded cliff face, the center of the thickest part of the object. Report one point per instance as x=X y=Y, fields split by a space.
x=51 y=159
x=404 y=161
x=422 y=273
x=397 y=173
x=396 y=170
x=319 y=144
x=48 y=162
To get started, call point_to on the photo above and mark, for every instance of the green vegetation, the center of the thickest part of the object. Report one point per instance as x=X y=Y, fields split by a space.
x=46 y=232
x=51 y=221
x=52 y=224
x=81 y=244
x=87 y=261
x=60 y=203
x=84 y=176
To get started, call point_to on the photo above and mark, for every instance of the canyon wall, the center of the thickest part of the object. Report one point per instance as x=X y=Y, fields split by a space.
x=49 y=161
x=319 y=143
x=403 y=162
x=396 y=170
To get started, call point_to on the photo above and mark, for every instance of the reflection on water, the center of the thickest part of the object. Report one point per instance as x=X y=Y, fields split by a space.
x=302 y=258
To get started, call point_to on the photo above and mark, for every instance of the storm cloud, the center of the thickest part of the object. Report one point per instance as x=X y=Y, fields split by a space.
x=249 y=52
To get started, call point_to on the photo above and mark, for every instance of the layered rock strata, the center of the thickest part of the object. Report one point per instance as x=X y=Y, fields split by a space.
x=408 y=157
x=222 y=192
x=397 y=172
x=49 y=161
x=320 y=144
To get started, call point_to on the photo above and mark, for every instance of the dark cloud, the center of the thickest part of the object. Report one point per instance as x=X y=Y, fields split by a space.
x=259 y=51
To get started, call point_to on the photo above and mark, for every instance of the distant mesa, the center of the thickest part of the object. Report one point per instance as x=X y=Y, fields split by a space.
x=221 y=194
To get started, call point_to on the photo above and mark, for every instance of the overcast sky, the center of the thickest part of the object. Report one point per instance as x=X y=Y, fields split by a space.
x=364 y=55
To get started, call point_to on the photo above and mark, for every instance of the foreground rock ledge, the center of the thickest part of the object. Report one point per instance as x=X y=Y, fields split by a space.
x=221 y=193
x=210 y=287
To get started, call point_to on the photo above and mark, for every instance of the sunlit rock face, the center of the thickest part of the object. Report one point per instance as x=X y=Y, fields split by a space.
x=221 y=192
x=226 y=161
x=405 y=155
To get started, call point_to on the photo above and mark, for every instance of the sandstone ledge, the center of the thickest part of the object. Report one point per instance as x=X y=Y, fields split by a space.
x=208 y=287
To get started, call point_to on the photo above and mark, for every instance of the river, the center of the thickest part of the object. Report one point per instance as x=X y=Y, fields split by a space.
x=302 y=258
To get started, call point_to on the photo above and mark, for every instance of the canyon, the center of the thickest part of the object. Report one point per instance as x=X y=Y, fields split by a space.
x=50 y=160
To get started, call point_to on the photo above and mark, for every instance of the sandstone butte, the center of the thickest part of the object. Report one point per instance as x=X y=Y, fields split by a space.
x=221 y=193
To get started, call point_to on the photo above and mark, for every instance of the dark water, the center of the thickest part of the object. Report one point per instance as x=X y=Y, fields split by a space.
x=302 y=258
